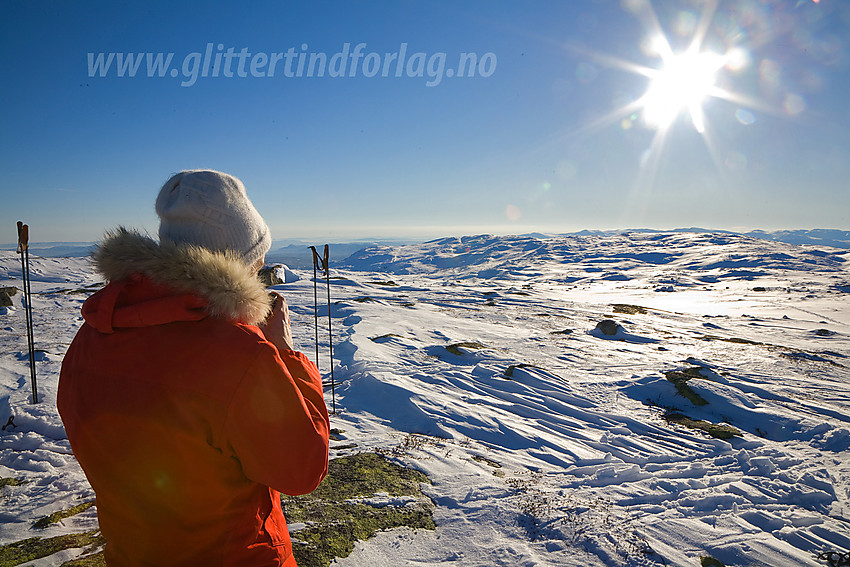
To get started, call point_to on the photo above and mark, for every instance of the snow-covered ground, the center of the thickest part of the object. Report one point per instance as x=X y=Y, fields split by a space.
x=477 y=360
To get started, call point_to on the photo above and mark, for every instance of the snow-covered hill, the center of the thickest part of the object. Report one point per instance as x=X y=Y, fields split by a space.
x=478 y=360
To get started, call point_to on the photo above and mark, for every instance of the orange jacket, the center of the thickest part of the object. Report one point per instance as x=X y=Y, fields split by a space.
x=188 y=426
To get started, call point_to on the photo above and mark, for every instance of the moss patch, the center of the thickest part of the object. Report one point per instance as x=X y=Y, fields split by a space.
x=709 y=561
x=455 y=348
x=629 y=309
x=36 y=547
x=680 y=379
x=486 y=461
x=334 y=521
x=336 y=526
x=736 y=340
x=720 y=431
x=366 y=474
x=95 y=560
x=11 y=482
x=62 y=514
x=383 y=338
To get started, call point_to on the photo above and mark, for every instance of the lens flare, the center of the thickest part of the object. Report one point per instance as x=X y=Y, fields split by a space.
x=513 y=213
x=683 y=83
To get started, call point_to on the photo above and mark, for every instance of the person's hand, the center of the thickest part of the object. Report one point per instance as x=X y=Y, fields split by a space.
x=277 y=328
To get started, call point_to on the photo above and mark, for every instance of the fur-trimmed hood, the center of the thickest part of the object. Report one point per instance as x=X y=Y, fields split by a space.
x=223 y=280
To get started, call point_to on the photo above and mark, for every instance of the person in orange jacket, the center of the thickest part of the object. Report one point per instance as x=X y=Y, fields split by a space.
x=183 y=398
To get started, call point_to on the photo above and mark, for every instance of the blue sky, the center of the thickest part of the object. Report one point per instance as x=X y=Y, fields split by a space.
x=549 y=135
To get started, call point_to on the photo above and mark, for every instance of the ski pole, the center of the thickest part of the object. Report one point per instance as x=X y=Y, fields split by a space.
x=330 y=335
x=322 y=263
x=315 y=301
x=30 y=324
x=23 y=250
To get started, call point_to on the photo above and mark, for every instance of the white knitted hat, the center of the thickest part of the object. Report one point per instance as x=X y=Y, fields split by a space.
x=211 y=209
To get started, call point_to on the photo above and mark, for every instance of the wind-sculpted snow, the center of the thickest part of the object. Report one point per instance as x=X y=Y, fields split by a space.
x=712 y=419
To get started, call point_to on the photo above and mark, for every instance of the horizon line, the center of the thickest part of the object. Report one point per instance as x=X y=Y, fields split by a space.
x=423 y=238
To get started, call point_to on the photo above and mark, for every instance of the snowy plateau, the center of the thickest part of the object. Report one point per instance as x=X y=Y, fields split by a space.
x=548 y=439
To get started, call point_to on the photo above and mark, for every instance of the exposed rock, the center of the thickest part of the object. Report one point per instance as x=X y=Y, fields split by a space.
x=268 y=275
x=6 y=294
x=276 y=275
x=608 y=327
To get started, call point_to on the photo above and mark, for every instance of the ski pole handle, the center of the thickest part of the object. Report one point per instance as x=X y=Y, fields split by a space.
x=23 y=237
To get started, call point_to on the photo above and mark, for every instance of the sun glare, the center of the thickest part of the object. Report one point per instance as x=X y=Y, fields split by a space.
x=683 y=83
x=708 y=66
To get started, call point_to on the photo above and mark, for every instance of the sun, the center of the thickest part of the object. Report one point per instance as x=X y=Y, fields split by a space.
x=679 y=82
x=682 y=83
x=706 y=66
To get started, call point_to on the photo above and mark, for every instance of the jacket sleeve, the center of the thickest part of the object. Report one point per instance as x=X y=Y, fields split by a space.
x=277 y=424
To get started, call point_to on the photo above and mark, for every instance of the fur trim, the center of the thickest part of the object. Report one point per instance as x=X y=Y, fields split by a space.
x=221 y=278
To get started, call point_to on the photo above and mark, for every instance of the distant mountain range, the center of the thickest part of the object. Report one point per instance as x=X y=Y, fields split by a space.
x=818 y=236
x=296 y=254
x=55 y=249
x=814 y=237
